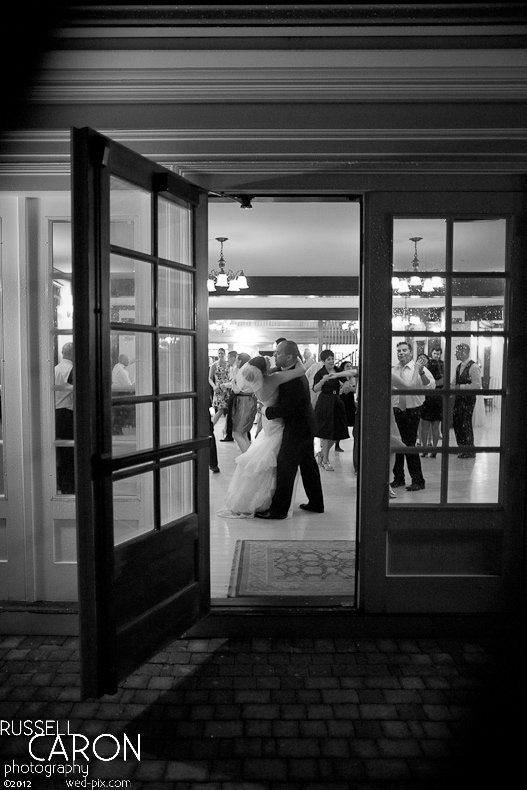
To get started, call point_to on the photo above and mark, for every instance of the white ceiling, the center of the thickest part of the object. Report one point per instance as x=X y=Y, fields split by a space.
x=293 y=239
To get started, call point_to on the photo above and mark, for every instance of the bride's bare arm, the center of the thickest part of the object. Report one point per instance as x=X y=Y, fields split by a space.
x=273 y=380
x=286 y=375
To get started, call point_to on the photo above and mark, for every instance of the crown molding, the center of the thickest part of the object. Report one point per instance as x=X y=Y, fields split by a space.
x=192 y=152
x=407 y=83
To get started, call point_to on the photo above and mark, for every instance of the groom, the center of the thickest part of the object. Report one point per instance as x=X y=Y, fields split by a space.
x=294 y=407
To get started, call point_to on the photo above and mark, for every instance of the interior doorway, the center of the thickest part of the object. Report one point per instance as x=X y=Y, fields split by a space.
x=301 y=258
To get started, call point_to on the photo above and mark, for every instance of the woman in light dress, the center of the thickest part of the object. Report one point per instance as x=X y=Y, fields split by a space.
x=254 y=480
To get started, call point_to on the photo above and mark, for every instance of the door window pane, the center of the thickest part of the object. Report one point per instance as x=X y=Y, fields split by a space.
x=175 y=363
x=430 y=254
x=133 y=506
x=131 y=354
x=177 y=486
x=132 y=427
x=63 y=401
x=477 y=303
x=130 y=214
x=60 y=235
x=474 y=481
x=175 y=298
x=130 y=290
x=418 y=304
x=479 y=245
x=62 y=304
x=174 y=232
x=176 y=419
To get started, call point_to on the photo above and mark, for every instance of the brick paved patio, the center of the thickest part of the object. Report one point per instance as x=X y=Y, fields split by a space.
x=233 y=714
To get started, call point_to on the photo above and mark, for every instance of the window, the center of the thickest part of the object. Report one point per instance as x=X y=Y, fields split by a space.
x=449 y=306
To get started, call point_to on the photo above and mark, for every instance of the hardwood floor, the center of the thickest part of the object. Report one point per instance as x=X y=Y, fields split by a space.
x=470 y=481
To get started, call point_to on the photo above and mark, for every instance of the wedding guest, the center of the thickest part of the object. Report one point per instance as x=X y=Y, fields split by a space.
x=467 y=379
x=409 y=374
x=330 y=416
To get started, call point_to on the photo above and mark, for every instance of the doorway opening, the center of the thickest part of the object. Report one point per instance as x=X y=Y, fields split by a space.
x=301 y=258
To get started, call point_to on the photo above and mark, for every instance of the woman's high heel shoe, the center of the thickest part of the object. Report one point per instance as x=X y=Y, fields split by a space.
x=393 y=495
x=318 y=456
x=327 y=466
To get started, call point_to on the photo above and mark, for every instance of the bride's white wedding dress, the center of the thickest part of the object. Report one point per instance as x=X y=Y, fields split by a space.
x=254 y=480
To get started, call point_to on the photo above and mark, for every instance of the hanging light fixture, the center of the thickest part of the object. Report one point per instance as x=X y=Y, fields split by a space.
x=220 y=278
x=416 y=285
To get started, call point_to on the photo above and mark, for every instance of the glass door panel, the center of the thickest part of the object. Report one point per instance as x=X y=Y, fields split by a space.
x=174 y=227
x=133 y=498
x=453 y=330
x=130 y=216
x=479 y=245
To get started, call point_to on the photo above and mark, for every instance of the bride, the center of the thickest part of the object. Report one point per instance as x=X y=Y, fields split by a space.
x=254 y=480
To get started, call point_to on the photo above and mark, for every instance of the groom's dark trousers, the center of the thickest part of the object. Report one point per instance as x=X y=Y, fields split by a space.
x=294 y=407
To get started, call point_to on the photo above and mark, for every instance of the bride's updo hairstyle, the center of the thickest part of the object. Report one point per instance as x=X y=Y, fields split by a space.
x=259 y=362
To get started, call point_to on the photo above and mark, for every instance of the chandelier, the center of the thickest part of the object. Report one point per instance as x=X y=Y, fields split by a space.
x=416 y=285
x=222 y=326
x=219 y=278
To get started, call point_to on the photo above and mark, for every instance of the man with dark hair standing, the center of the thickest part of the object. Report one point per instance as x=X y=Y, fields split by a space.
x=408 y=374
x=468 y=377
x=294 y=408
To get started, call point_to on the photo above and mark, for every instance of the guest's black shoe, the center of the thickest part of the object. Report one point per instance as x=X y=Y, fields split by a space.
x=267 y=514
x=397 y=483
x=312 y=509
x=415 y=487
x=214 y=469
x=227 y=439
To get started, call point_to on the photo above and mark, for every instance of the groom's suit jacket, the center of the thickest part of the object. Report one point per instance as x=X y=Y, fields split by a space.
x=294 y=407
x=296 y=451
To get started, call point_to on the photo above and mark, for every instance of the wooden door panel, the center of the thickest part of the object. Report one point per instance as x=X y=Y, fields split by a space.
x=168 y=563
x=142 y=513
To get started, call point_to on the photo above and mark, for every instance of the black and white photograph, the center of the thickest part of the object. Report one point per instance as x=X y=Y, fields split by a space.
x=263 y=385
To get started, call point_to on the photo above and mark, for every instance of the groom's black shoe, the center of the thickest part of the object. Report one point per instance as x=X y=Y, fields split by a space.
x=267 y=514
x=312 y=509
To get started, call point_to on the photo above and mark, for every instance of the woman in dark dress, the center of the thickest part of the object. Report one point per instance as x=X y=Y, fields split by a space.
x=330 y=415
x=347 y=396
x=432 y=408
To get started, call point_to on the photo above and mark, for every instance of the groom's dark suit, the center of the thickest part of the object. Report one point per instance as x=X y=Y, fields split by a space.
x=294 y=407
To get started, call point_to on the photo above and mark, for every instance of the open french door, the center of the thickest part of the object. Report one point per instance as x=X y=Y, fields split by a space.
x=141 y=406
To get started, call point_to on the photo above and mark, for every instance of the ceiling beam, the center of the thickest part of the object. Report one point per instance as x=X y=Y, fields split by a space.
x=297 y=286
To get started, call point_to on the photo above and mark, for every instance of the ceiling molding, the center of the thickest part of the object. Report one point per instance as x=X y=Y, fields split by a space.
x=201 y=15
x=400 y=83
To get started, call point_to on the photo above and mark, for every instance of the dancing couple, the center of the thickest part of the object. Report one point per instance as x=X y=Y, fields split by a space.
x=263 y=483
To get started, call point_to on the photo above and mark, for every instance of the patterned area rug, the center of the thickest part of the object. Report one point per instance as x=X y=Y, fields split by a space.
x=293 y=567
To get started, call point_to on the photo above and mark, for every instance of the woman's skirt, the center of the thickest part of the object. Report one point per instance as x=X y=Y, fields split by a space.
x=243 y=412
x=330 y=418
x=432 y=408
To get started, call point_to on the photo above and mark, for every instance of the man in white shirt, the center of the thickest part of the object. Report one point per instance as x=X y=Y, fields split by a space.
x=406 y=375
x=468 y=377
x=120 y=374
